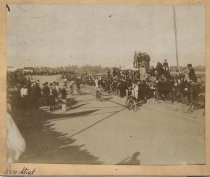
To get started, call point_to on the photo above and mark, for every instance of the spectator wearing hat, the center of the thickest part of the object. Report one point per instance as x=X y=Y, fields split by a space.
x=32 y=94
x=178 y=75
x=37 y=95
x=24 y=96
x=152 y=71
x=64 y=92
x=63 y=97
x=56 y=91
x=71 y=85
x=166 y=69
x=191 y=73
x=46 y=93
x=165 y=63
x=52 y=96
x=78 y=83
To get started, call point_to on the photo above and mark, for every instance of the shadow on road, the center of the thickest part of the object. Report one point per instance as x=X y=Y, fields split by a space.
x=44 y=144
x=75 y=107
x=106 y=98
x=97 y=122
x=71 y=115
x=132 y=160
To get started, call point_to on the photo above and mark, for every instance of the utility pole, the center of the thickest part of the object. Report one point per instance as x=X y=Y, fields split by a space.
x=175 y=31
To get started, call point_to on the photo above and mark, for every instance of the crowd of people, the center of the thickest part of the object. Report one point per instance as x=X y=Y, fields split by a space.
x=30 y=95
x=158 y=83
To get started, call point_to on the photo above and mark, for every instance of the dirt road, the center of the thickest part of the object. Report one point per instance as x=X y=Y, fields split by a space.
x=105 y=132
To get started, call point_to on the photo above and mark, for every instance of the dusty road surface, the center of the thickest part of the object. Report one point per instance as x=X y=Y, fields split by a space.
x=105 y=132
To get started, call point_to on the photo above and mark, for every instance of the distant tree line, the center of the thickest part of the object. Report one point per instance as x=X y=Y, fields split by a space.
x=65 y=69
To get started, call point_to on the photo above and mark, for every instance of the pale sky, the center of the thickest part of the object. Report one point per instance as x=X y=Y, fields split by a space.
x=60 y=35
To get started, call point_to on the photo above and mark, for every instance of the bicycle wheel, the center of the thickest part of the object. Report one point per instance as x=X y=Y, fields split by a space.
x=136 y=107
x=129 y=104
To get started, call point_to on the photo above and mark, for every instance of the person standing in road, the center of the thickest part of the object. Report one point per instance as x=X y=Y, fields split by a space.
x=78 y=83
x=52 y=97
x=98 y=88
x=46 y=93
x=37 y=95
x=63 y=97
x=24 y=96
x=71 y=85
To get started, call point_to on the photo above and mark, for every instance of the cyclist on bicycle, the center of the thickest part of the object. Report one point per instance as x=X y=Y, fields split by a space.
x=132 y=91
x=129 y=92
x=132 y=96
x=98 y=88
x=78 y=83
x=135 y=91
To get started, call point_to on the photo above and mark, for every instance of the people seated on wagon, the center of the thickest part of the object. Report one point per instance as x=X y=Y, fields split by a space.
x=152 y=70
x=159 y=69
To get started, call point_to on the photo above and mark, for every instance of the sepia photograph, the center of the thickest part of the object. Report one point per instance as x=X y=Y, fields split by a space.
x=106 y=84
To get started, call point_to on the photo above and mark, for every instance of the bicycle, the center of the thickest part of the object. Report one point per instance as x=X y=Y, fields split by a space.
x=129 y=103
x=98 y=95
x=132 y=102
x=79 y=92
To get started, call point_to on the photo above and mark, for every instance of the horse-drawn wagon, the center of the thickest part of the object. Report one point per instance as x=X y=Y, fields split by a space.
x=141 y=59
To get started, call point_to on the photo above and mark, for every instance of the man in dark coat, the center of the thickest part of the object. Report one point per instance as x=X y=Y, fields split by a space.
x=37 y=95
x=52 y=96
x=166 y=69
x=46 y=93
x=165 y=63
x=63 y=92
x=191 y=74
x=159 y=69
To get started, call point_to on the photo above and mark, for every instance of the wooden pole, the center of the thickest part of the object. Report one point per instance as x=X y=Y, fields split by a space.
x=175 y=31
